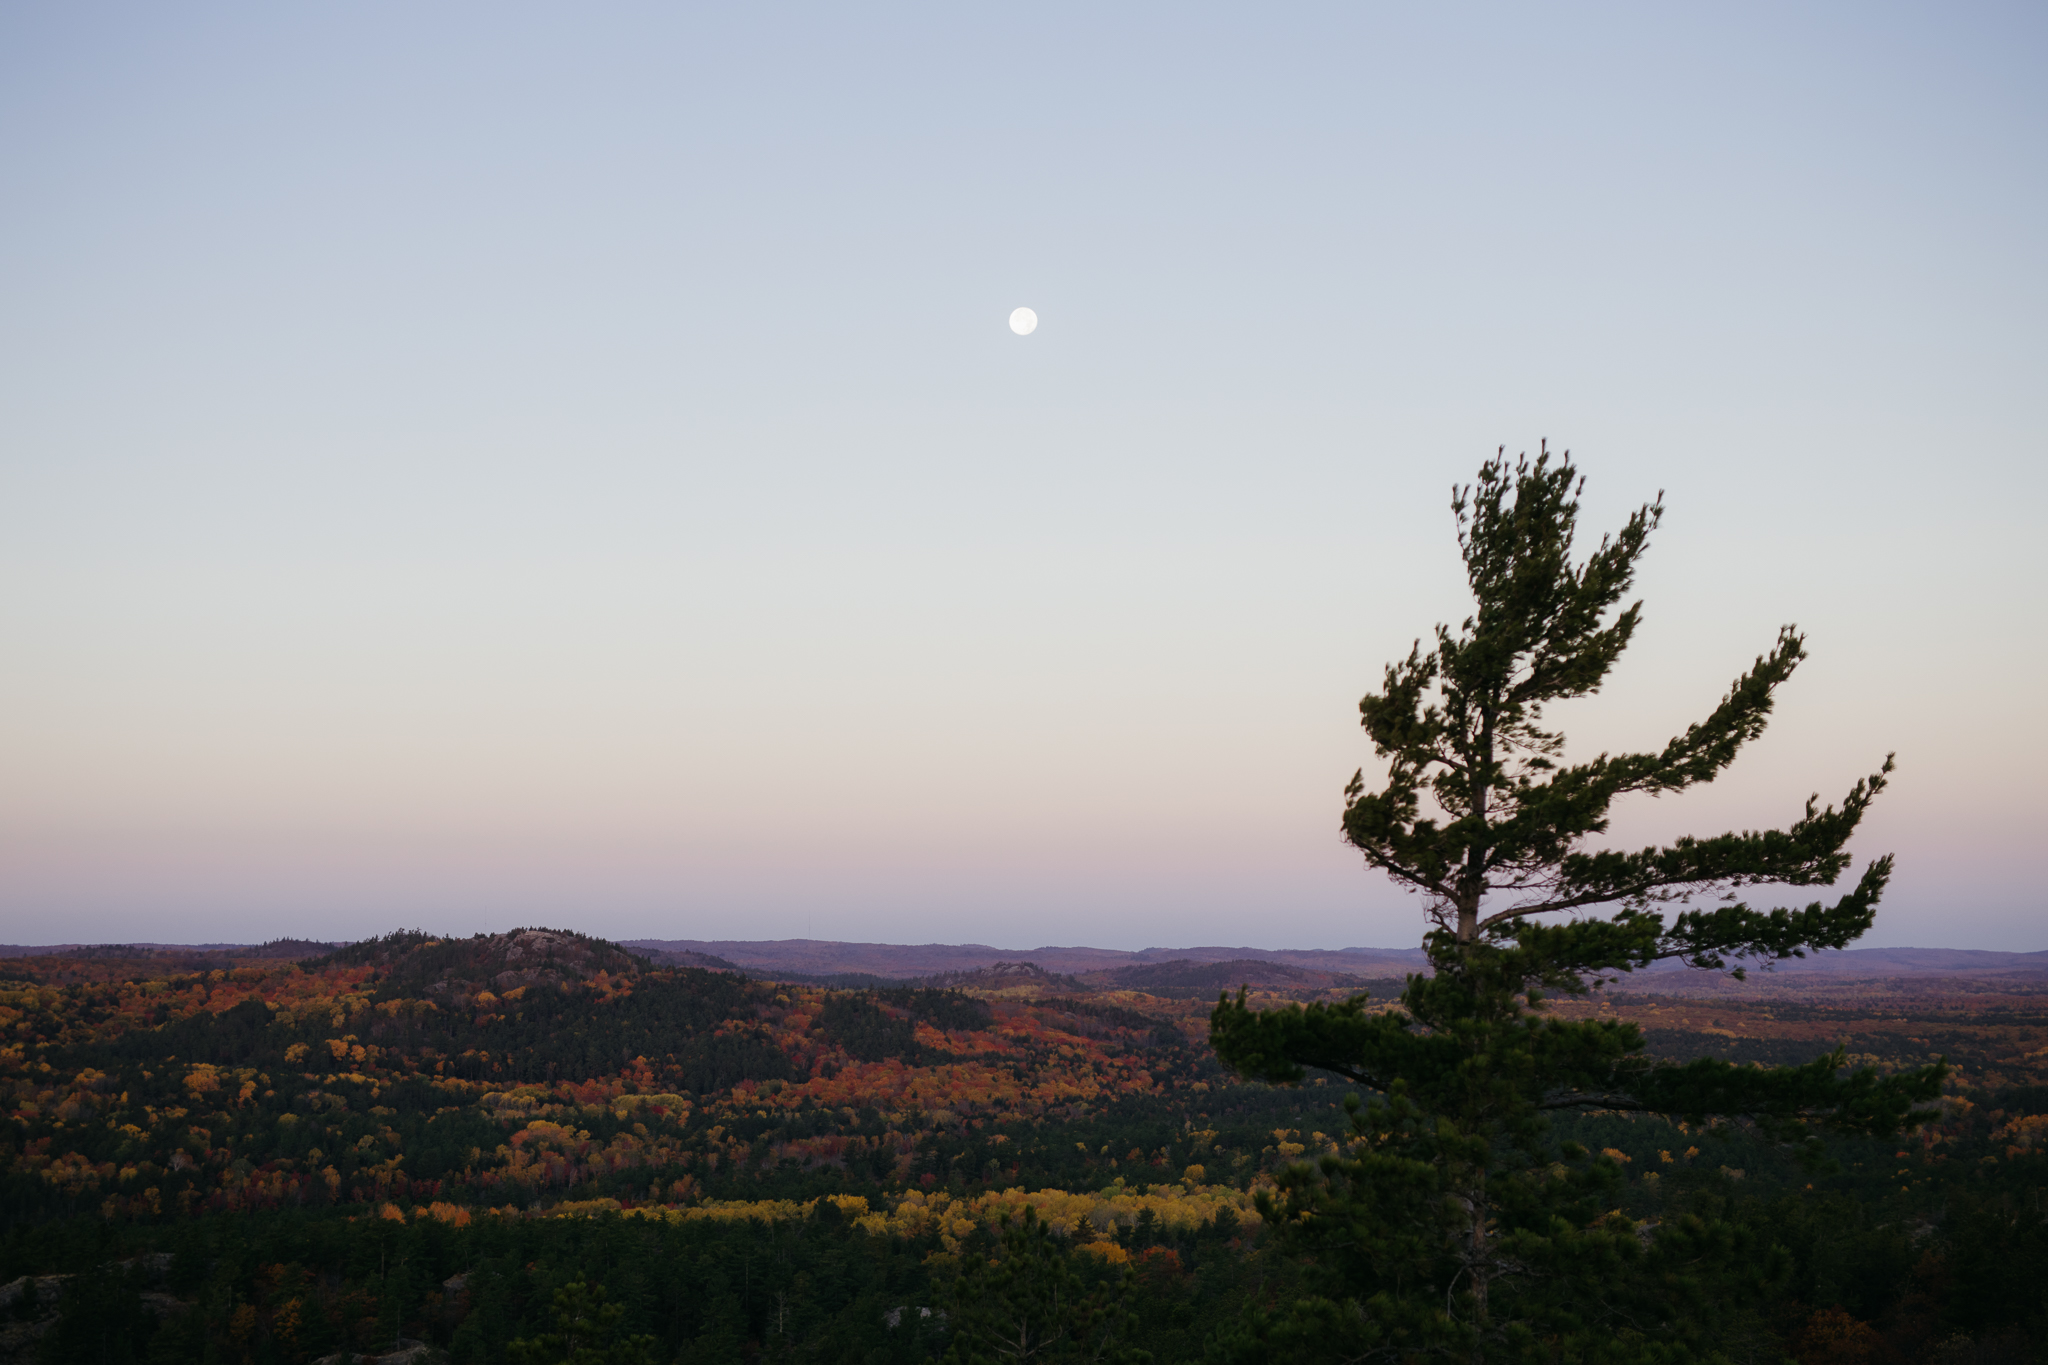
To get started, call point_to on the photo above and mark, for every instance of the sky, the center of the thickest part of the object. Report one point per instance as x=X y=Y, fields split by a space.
x=469 y=465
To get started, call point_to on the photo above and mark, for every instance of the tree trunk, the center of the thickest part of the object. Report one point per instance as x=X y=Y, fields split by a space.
x=1472 y=885
x=1480 y=1277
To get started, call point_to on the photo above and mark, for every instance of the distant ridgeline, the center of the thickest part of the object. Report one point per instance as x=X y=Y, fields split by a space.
x=688 y=958
x=286 y=1152
x=1187 y=978
x=287 y=949
x=1002 y=976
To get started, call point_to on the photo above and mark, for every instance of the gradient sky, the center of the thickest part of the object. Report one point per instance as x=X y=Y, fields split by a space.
x=469 y=465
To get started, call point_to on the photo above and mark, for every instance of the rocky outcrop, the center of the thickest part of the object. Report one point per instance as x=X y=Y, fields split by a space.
x=404 y=1352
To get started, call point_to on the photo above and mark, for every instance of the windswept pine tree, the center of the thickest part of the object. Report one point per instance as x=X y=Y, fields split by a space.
x=1457 y=1225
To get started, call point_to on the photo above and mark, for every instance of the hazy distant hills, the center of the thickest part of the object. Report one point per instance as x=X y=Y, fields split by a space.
x=1190 y=972
x=284 y=949
x=686 y=958
x=816 y=957
x=1212 y=967
x=823 y=958
x=1876 y=962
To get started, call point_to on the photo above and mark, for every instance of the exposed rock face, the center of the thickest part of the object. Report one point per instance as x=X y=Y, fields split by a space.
x=544 y=944
x=543 y=955
x=407 y=1352
x=47 y=1288
x=22 y=1326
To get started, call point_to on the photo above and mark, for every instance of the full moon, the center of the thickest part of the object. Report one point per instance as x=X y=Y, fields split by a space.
x=1023 y=322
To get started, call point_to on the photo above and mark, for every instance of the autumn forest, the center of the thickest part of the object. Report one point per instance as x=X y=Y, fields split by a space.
x=407 y=1146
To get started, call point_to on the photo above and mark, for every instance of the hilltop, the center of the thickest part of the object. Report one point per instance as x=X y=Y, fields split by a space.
x=461 y=968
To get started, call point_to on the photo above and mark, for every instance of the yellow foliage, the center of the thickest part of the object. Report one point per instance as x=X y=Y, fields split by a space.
x=2024 y=1134
x=1074 y=1215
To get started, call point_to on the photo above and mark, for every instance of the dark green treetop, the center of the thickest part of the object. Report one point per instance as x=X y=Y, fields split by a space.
x=586 y=1333
x=1453 y=1223
x=1028 y=1302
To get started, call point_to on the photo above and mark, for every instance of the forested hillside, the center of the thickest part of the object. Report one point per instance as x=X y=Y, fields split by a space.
x=421 y=1140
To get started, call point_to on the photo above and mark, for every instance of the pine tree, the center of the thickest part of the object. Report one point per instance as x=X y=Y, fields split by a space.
x=586 y=1333
x=1030 y=1304
x=1456 y=1225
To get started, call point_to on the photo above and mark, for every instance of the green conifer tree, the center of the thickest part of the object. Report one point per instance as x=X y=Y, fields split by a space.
x=1456 y=1226
x=1029 y=1303
x=586 y=1333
